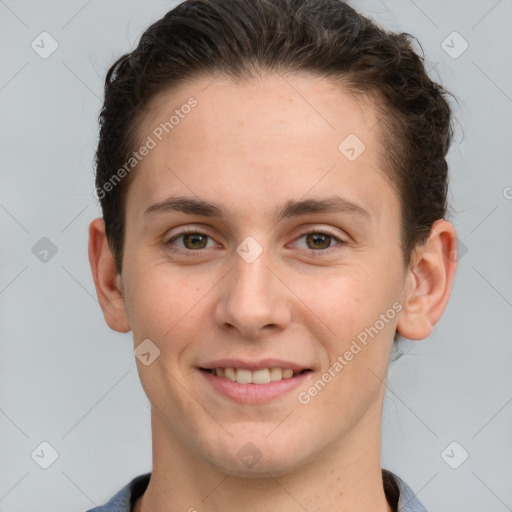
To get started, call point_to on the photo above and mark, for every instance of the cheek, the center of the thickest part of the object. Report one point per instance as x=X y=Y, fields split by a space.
x=349 y=300
x=359 y=309
x=161 y=303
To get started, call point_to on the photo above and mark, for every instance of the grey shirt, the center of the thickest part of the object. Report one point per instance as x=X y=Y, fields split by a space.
x=399 y=495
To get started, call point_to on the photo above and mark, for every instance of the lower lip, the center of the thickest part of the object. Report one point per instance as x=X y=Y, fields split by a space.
x=254 y=393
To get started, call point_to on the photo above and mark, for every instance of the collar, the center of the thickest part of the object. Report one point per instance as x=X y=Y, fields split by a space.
x=399 y=495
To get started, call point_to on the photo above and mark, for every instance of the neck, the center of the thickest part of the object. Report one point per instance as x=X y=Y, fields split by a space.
x=347 y=477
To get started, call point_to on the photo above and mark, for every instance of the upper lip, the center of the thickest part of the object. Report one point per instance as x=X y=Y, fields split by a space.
x=253 y=365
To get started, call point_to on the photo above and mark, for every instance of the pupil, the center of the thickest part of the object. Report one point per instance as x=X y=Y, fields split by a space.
x=194 y=239
x=320 y=241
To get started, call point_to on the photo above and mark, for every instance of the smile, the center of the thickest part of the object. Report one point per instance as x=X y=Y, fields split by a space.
x=251 y=382
x=261 y=376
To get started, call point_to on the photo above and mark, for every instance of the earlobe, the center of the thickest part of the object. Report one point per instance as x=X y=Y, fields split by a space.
x=429 y=282
x=107 y=281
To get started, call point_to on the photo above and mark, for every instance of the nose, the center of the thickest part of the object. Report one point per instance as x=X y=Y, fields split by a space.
x=253 y=300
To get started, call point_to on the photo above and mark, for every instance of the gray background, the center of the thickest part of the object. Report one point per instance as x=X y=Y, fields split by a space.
x=66 y=379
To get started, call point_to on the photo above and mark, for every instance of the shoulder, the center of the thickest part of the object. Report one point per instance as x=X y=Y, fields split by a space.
x=123 y=500
x=400 y=496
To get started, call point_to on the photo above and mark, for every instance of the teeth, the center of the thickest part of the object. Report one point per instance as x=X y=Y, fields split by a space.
x=287 y=373
x=275 y=374
x=259 y=376
x=229 y=373
x=244 y=376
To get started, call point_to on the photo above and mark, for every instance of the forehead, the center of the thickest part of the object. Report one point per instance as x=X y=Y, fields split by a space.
x=261 y=102
x=278 y=136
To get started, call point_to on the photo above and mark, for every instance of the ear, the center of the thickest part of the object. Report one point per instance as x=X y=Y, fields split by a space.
x=108 y=282
x=429 y=282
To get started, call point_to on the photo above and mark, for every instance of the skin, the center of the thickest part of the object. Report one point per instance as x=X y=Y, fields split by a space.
x=250 y=148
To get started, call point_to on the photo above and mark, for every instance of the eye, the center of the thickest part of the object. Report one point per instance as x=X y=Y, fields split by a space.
x=320 y=240
x=192 y=240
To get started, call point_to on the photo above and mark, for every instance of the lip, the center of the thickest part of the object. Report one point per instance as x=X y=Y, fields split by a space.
x=253 y=365
x=253 y=393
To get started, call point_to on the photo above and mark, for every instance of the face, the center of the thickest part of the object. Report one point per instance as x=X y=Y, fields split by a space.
x=280 y=262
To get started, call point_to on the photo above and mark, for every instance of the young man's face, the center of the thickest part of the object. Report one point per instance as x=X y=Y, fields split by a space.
x=253 y=291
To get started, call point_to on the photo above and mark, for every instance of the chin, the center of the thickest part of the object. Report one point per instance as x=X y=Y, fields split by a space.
x=256 y=456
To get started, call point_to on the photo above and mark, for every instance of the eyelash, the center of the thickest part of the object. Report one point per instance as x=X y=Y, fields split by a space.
x=323 y=231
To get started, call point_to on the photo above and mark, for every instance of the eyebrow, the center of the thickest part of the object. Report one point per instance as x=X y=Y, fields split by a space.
x=193 y=206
